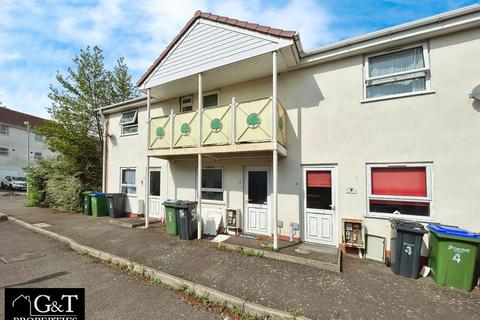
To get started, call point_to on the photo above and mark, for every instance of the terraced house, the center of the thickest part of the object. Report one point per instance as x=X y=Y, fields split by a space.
x=238 y=116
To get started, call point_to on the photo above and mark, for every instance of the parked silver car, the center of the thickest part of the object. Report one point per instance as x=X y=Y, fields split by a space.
x=12 y=182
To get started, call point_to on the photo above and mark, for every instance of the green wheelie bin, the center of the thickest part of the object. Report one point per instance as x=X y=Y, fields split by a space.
x=99 y=204
x=454 y=256
x=87 y=203
x=171 y=216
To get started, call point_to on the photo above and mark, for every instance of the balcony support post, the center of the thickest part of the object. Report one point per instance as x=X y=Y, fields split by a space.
x=275 y=151
x=147 y=192
x=199 y=197
x=172 y=127
x=199 y=170
x=234 y=120
x=147 y=174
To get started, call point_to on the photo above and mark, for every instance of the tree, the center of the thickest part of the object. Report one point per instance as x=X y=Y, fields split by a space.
x=75 y=132
x=123 y=88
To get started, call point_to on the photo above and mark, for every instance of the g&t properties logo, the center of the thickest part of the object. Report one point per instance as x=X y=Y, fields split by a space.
x=44 y=303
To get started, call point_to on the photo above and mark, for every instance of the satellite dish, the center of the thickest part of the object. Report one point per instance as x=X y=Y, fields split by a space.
x=476 y=93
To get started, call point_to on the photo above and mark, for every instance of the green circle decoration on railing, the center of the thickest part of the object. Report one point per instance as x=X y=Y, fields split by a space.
x=160 y=132
x=185 y=129
x=280 y=123
x=253 y=120
x=216 y=125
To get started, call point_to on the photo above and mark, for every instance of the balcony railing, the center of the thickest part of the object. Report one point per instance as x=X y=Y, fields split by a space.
x=246 y=122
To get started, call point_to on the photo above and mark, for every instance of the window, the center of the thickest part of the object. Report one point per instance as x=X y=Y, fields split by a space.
x=129 y=123
x=212 y=184
x=4 y=129
x=4 y=152
x=397 y=73
x=155 y=183
x=400 y=189
x=37 y=155
x=186 y=103
x=319 y=189
x=210 y=99
x=128 y=181
x=38 y=137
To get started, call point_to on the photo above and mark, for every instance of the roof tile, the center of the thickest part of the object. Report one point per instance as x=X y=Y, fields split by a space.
x=16 y=118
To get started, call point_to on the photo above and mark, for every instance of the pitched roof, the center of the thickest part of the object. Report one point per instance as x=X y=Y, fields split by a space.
x=16 y=118
x=221 y=19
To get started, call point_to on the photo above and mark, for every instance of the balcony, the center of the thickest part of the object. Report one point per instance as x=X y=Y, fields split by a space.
x=247 y=126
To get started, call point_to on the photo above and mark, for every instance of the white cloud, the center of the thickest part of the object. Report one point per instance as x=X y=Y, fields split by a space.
x=39 y=37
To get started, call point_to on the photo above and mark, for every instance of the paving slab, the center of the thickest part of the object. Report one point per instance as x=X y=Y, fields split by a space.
x=364 y=290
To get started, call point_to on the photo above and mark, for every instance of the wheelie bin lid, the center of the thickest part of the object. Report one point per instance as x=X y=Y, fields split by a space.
x=110 y=195
x=87 y=193
x=454 y=232
x=408 y=226
x=179 y=203
x=98 y=194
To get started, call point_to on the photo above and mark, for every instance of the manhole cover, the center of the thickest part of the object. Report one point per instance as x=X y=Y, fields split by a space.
x=21 y=257
x=42 y=225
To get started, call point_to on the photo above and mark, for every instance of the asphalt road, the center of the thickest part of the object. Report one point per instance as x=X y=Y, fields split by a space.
x=36 y=261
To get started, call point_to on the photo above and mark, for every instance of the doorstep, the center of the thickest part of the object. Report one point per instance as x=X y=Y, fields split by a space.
x=288 y=251
x=133 y=222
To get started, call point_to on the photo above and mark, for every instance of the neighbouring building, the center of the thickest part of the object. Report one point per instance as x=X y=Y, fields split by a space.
x=370 y=128
x=17 y=147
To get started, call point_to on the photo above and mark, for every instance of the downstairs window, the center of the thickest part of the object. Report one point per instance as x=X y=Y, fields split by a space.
x=400 y=189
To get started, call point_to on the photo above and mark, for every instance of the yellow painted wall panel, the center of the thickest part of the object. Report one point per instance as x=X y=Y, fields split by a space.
x=185 y=132
x=254 y=120
x=160 y=132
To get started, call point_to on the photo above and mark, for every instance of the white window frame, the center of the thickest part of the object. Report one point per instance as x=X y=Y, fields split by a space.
x=222 y=190
x=37 y=155
x=217 y=92
x=128 y=185
x=428 y=199
x=425 y=69
x=182 y=105
x=38 y=137
x=5 y=155
x=129 y=124
x=6 y=131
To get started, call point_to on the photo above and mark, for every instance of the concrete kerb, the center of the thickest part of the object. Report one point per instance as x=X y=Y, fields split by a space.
x=171 y=281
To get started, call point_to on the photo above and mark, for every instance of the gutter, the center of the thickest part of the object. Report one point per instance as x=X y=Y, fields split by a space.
x=362 y=43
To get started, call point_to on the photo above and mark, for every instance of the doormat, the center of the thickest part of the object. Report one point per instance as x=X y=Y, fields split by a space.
x=247 y=236
x=220 y=238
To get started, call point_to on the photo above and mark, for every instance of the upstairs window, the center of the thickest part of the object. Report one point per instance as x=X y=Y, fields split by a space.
x=4 y=152
x=129 y=123
x=3 y=129
x=397 y=73
x=186 y=103
x=210 y=99
x=400 y=189
x=38 y=137
x=212 y=184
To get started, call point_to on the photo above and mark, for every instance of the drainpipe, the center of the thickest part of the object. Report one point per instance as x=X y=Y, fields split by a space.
x=275 y=150
x=147 y=175
x=199 y=165
x=104 y=152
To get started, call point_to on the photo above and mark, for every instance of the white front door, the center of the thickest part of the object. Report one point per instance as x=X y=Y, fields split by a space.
x=257 y=191
x=154 y=198
x=320 y=219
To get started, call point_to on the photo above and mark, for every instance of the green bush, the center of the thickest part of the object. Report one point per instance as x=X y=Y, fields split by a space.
x=36 y=176
x=53 y=183
x=64 y=192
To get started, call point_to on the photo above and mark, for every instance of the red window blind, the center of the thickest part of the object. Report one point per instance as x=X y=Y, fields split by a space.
x=411 y=181
x=319 y=179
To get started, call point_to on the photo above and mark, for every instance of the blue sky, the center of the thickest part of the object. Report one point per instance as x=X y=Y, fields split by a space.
x=37 y=38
